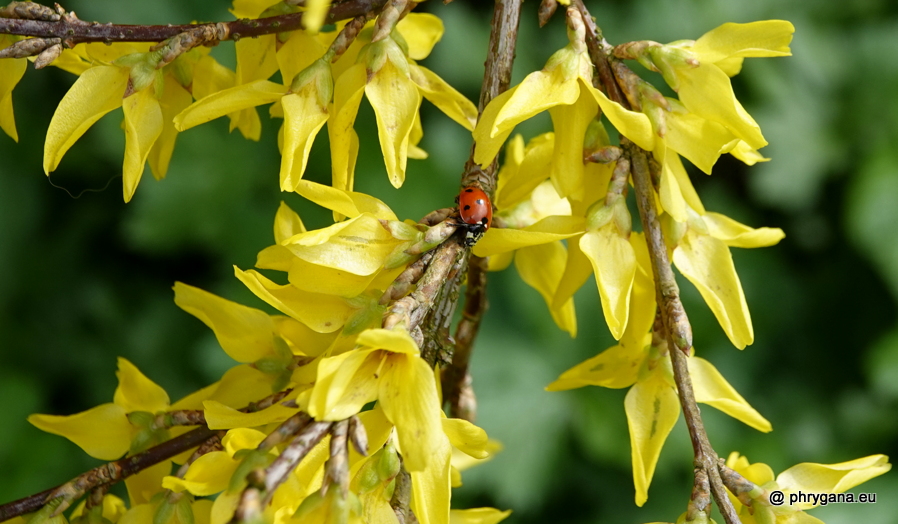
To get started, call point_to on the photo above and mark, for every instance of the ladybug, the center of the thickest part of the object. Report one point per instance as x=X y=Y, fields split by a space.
x=476 y=213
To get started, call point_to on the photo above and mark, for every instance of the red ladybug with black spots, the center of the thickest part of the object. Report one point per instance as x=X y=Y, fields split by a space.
x=476 y=213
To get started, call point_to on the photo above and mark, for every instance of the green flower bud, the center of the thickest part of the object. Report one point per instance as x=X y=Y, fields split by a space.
x=388 y=465
x=598 y=215
x=318 y=75
x=142 y=67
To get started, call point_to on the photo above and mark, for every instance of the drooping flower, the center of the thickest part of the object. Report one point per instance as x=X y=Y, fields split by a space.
x=124 y=75
x=651 y=404
x=824 y=481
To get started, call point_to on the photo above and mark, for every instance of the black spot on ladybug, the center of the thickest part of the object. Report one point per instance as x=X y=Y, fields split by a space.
x=467 y=208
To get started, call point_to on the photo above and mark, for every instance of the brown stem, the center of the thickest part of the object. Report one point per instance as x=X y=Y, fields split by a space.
x=75 y=31
x=401 y=501
x=119 y=470
x=336 y=470
x=291 y=456
x=496 y=80
x=676 y=326
x=457 y=387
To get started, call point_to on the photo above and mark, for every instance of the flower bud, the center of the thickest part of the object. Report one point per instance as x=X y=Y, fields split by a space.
x=598 y=215
x=142 y=68
x=388 y=465
x=317 y=76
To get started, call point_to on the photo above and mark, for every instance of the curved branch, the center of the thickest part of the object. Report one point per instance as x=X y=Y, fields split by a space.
x=74 y=31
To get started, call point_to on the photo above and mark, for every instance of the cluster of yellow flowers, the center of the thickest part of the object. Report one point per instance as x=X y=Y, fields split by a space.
x=562 y=223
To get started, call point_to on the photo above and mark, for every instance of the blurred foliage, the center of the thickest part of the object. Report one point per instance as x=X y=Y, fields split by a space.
x=89 y=278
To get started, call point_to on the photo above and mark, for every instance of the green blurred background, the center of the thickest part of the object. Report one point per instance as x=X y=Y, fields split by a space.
x=87 y=279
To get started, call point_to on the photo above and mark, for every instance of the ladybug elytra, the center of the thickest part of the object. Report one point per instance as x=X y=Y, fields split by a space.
x=476 y=213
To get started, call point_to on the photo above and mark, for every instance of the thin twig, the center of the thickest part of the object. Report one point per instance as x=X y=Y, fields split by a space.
x=676 y=327
x=75 y=31
x=496 y=80
x=118 y=470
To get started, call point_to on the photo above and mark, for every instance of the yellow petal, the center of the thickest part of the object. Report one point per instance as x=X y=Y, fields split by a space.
x=466 y=437
x=314 y=278
x=287 y=223
x=763 y=38
x=102 y=432
x=414 y=138
x=241 y=385
x=616 y=367
x=395 y=100
x=71 y=62
x=395 y=341
x=348 y=203
x=322 y=313
x=538 y=92
x=241 y=438
x=679 y=187
x=246 y=334
x=477 y=516
x=195 y=400
x=541 y=267
x=642 y=300
x=208 y=475
x=139 y=514
x=359 y=245
x=313 y=17
x=145 y=484
x=345 y=384
x=833 y=478
x=300 y=338
x=298 y=53
x=250 y=8
x=746 y=154
x=408 y=394
x=487 y=144
x=454 y=104
x=113 y=508
x=348 y=90
x=549 y=229
x=228 y=101
x=577 y=271
x=211 y=77
x=669 y=193
x=570 y=123
x=698 y=139
x=256 y=58
x=707 y=263
x=224 y=506
x=652 y=410
x=706 y=91
x=759 y=473
x=421 y=32
x=712 y=389
x=219 y=416
x=511 y=168
x=633 y=125
x=174 y=100
x=303 y=118
x=431 y=488
x=135 y=392
x=614 y=263
x=96 y=92
x=11 y=71
x=734 y=234
x=143 y=125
